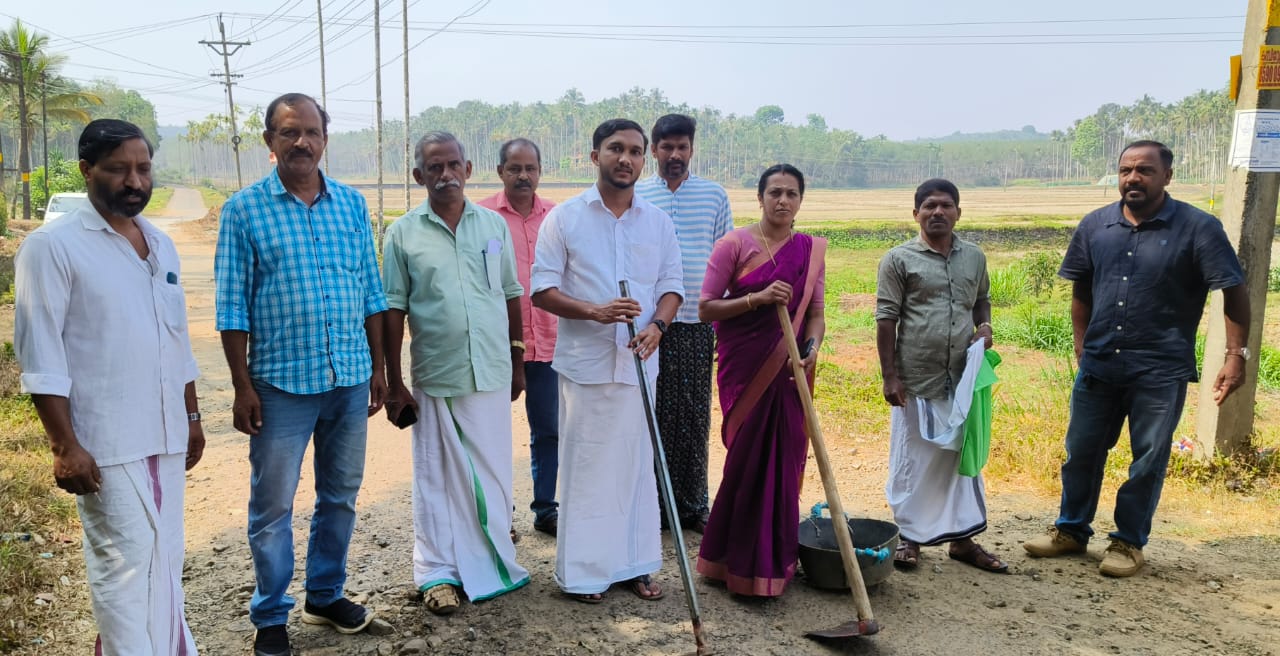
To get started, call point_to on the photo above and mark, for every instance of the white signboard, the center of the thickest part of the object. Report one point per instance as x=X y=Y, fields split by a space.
x=1255 y=141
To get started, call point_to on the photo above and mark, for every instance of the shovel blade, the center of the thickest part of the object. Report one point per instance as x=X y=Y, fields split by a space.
x=847 y=630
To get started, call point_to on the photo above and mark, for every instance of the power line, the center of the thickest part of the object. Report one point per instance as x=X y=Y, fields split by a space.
x=222 y=49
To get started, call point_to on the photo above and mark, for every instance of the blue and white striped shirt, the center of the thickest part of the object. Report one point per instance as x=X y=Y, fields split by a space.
x=699 y=208
x=300 y=280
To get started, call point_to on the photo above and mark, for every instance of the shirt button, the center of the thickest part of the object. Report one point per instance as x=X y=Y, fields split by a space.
x=1121 y=303
x=1124 y=277
x=1119 y=327
x=1117 y=350
x=1130 y=253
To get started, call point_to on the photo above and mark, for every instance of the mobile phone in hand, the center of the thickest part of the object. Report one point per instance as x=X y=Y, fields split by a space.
x=807 y=348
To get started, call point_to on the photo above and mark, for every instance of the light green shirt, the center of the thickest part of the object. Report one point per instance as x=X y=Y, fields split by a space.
x=454 y=288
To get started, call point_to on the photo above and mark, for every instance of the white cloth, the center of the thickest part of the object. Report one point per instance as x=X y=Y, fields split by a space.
x=462 y=494
x=133 y=550
x=931 y=501
x=583 y=250
x=942 y=423
x=608 y=528
x=107 y=329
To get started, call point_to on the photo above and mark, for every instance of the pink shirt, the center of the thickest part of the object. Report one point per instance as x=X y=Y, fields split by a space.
x=539 y=325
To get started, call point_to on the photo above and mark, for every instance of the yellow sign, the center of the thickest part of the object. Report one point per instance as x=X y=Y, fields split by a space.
x=1273 y=13
x=1269 y=68
x=1233 y=87
x=26 y=177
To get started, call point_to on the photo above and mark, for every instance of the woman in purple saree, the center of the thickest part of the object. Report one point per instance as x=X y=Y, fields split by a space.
x=751 y=541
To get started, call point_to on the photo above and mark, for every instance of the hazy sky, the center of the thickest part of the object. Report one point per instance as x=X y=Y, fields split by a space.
x=905 y=69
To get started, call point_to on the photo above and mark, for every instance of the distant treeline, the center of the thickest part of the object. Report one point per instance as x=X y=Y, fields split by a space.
x=733 y=149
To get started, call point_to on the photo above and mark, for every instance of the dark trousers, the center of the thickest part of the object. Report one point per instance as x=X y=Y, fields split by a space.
x=541 y=405
x=1098 y=410
x=684 y=412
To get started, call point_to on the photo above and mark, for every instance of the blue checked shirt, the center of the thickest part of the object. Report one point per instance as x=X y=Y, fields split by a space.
x=300 y=280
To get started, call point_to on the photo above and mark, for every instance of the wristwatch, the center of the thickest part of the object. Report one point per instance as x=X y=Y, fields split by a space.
x=662 y=325
x=1243 y=352
x=193 y=417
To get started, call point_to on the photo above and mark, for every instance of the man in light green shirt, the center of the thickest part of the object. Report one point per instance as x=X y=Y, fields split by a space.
x=449 y=267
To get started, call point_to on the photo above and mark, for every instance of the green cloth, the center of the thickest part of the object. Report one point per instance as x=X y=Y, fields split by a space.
x=977 y=426
x=454 y=288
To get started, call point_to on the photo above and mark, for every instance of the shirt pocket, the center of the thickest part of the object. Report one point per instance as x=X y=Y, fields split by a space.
x=642 y=265
x=173 y=307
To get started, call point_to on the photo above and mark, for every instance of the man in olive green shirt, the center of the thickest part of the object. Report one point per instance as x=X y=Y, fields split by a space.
x=449 y=267
x=931 y=305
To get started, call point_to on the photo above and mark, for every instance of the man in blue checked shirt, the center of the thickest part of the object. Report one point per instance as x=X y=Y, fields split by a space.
x=300 y=308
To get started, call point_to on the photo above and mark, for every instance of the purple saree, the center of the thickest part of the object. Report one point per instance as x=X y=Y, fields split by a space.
x=751 y=541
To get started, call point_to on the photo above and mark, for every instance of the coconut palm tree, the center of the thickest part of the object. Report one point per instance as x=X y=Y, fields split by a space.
x=26 y=69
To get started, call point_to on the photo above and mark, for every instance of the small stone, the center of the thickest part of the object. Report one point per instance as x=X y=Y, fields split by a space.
x=1028 y=609
x=435 y=642
x=383 y=542
x=937 y=569
x=35 y=537
x=471 y=633
x=996 y=604
x=417 y=646
x=380 y=627
x=385 y=649
x=1214 y=585
x=219 y=548
x=64 y=580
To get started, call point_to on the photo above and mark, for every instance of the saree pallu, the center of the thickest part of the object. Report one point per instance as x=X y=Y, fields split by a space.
x=751 y=541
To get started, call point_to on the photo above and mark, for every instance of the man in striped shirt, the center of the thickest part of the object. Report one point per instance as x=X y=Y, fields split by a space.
x=699 y=208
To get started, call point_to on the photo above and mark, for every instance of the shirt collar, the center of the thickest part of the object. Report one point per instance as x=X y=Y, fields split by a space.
x=921 y=245
x=276 y=187
x=91 y=219
x=424 y=210
x=660 y=181
x=539 y=205
x=1166 y=212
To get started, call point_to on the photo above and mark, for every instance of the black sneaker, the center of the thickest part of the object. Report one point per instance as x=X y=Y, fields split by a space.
x=343 y=615
x=271 y=641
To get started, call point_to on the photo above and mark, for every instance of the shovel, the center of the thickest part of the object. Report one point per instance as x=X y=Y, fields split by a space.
x=866 y=623
x=668 y=496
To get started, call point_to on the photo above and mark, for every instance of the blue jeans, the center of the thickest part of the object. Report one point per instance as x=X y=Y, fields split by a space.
x=1098 y=410
x=339 y=420
x=542 y=405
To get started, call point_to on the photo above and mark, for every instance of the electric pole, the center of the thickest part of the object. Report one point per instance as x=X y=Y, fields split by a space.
x=377 y=92
x=1249 y=217
x=44 y=128
x=324 y=93
x=408 y=147
x=223 y=47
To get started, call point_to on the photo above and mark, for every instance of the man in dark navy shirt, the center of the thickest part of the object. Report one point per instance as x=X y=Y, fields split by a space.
x=1141 y=269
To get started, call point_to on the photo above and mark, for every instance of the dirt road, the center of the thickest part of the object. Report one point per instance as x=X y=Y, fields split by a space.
x=1194 y=598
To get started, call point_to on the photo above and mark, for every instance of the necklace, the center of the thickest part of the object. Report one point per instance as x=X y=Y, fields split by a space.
x=766 y=242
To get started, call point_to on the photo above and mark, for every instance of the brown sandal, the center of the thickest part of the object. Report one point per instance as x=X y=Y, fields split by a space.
x=978 y=557
x=907 y=555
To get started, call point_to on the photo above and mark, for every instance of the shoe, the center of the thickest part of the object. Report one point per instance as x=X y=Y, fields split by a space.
x=343 y=615
x=1052 y=544
x=548 y=526
x=1122 y=559
x=271 y=641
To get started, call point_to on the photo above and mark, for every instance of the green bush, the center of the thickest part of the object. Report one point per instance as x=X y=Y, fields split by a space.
x=1038 y=326
x=1009 y=286
x=64 y=176
x=1273 y=280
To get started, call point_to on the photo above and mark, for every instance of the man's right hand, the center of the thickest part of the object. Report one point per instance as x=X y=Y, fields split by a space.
x=76 y=471
x=398 y=398
x=246 y=411
x=894 y=392
x=619 y=310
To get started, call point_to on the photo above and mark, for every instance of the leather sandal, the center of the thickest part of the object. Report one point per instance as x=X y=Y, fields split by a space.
x=907 y=555
x=978 y=557
x=442 y=599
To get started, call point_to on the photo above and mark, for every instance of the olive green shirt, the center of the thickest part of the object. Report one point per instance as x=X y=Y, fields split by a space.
x=454 y=288
x=932 y=298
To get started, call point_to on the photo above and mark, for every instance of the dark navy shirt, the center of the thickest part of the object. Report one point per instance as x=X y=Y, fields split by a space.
x=1149 y=286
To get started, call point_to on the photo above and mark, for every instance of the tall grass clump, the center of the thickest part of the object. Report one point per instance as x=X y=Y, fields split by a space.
x=1040 y=326
x=32 y=511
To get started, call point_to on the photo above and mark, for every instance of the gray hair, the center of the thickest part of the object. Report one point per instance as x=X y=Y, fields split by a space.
x=436 y=137
x=505 y=150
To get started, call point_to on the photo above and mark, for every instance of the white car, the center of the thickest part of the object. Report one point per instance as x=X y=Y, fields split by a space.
x=62 y=203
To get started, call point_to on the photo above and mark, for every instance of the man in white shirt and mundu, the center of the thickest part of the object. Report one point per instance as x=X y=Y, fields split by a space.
x=100 y=330
x=608 y=525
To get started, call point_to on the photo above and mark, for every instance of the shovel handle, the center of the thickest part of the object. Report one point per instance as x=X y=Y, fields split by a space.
x=851 y=571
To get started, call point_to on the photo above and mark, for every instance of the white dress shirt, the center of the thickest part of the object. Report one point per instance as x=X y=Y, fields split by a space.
x=108 y=330
x=583 y=250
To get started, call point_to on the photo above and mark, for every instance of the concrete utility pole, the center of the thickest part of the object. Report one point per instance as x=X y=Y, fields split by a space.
x=377 y=93
x=44 y=129
x=1249 y=217
x=221 y=47
x=408 y=146
x=324 y=93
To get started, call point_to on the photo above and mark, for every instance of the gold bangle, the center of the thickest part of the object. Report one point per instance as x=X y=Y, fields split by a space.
x=749 y=306
x=515 y=343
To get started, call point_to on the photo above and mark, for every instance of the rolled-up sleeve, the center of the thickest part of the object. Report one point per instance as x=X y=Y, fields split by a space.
x=549 y=256
x=510 y=281
x=232 y=270
x=395 y=272
x=671 y=278
x=42 y=293
x=889 y=288
x=374 y=300
x=1216 y=258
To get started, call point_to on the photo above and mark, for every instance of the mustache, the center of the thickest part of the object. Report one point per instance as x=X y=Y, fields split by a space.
x=447 y=183
x=524 y=184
